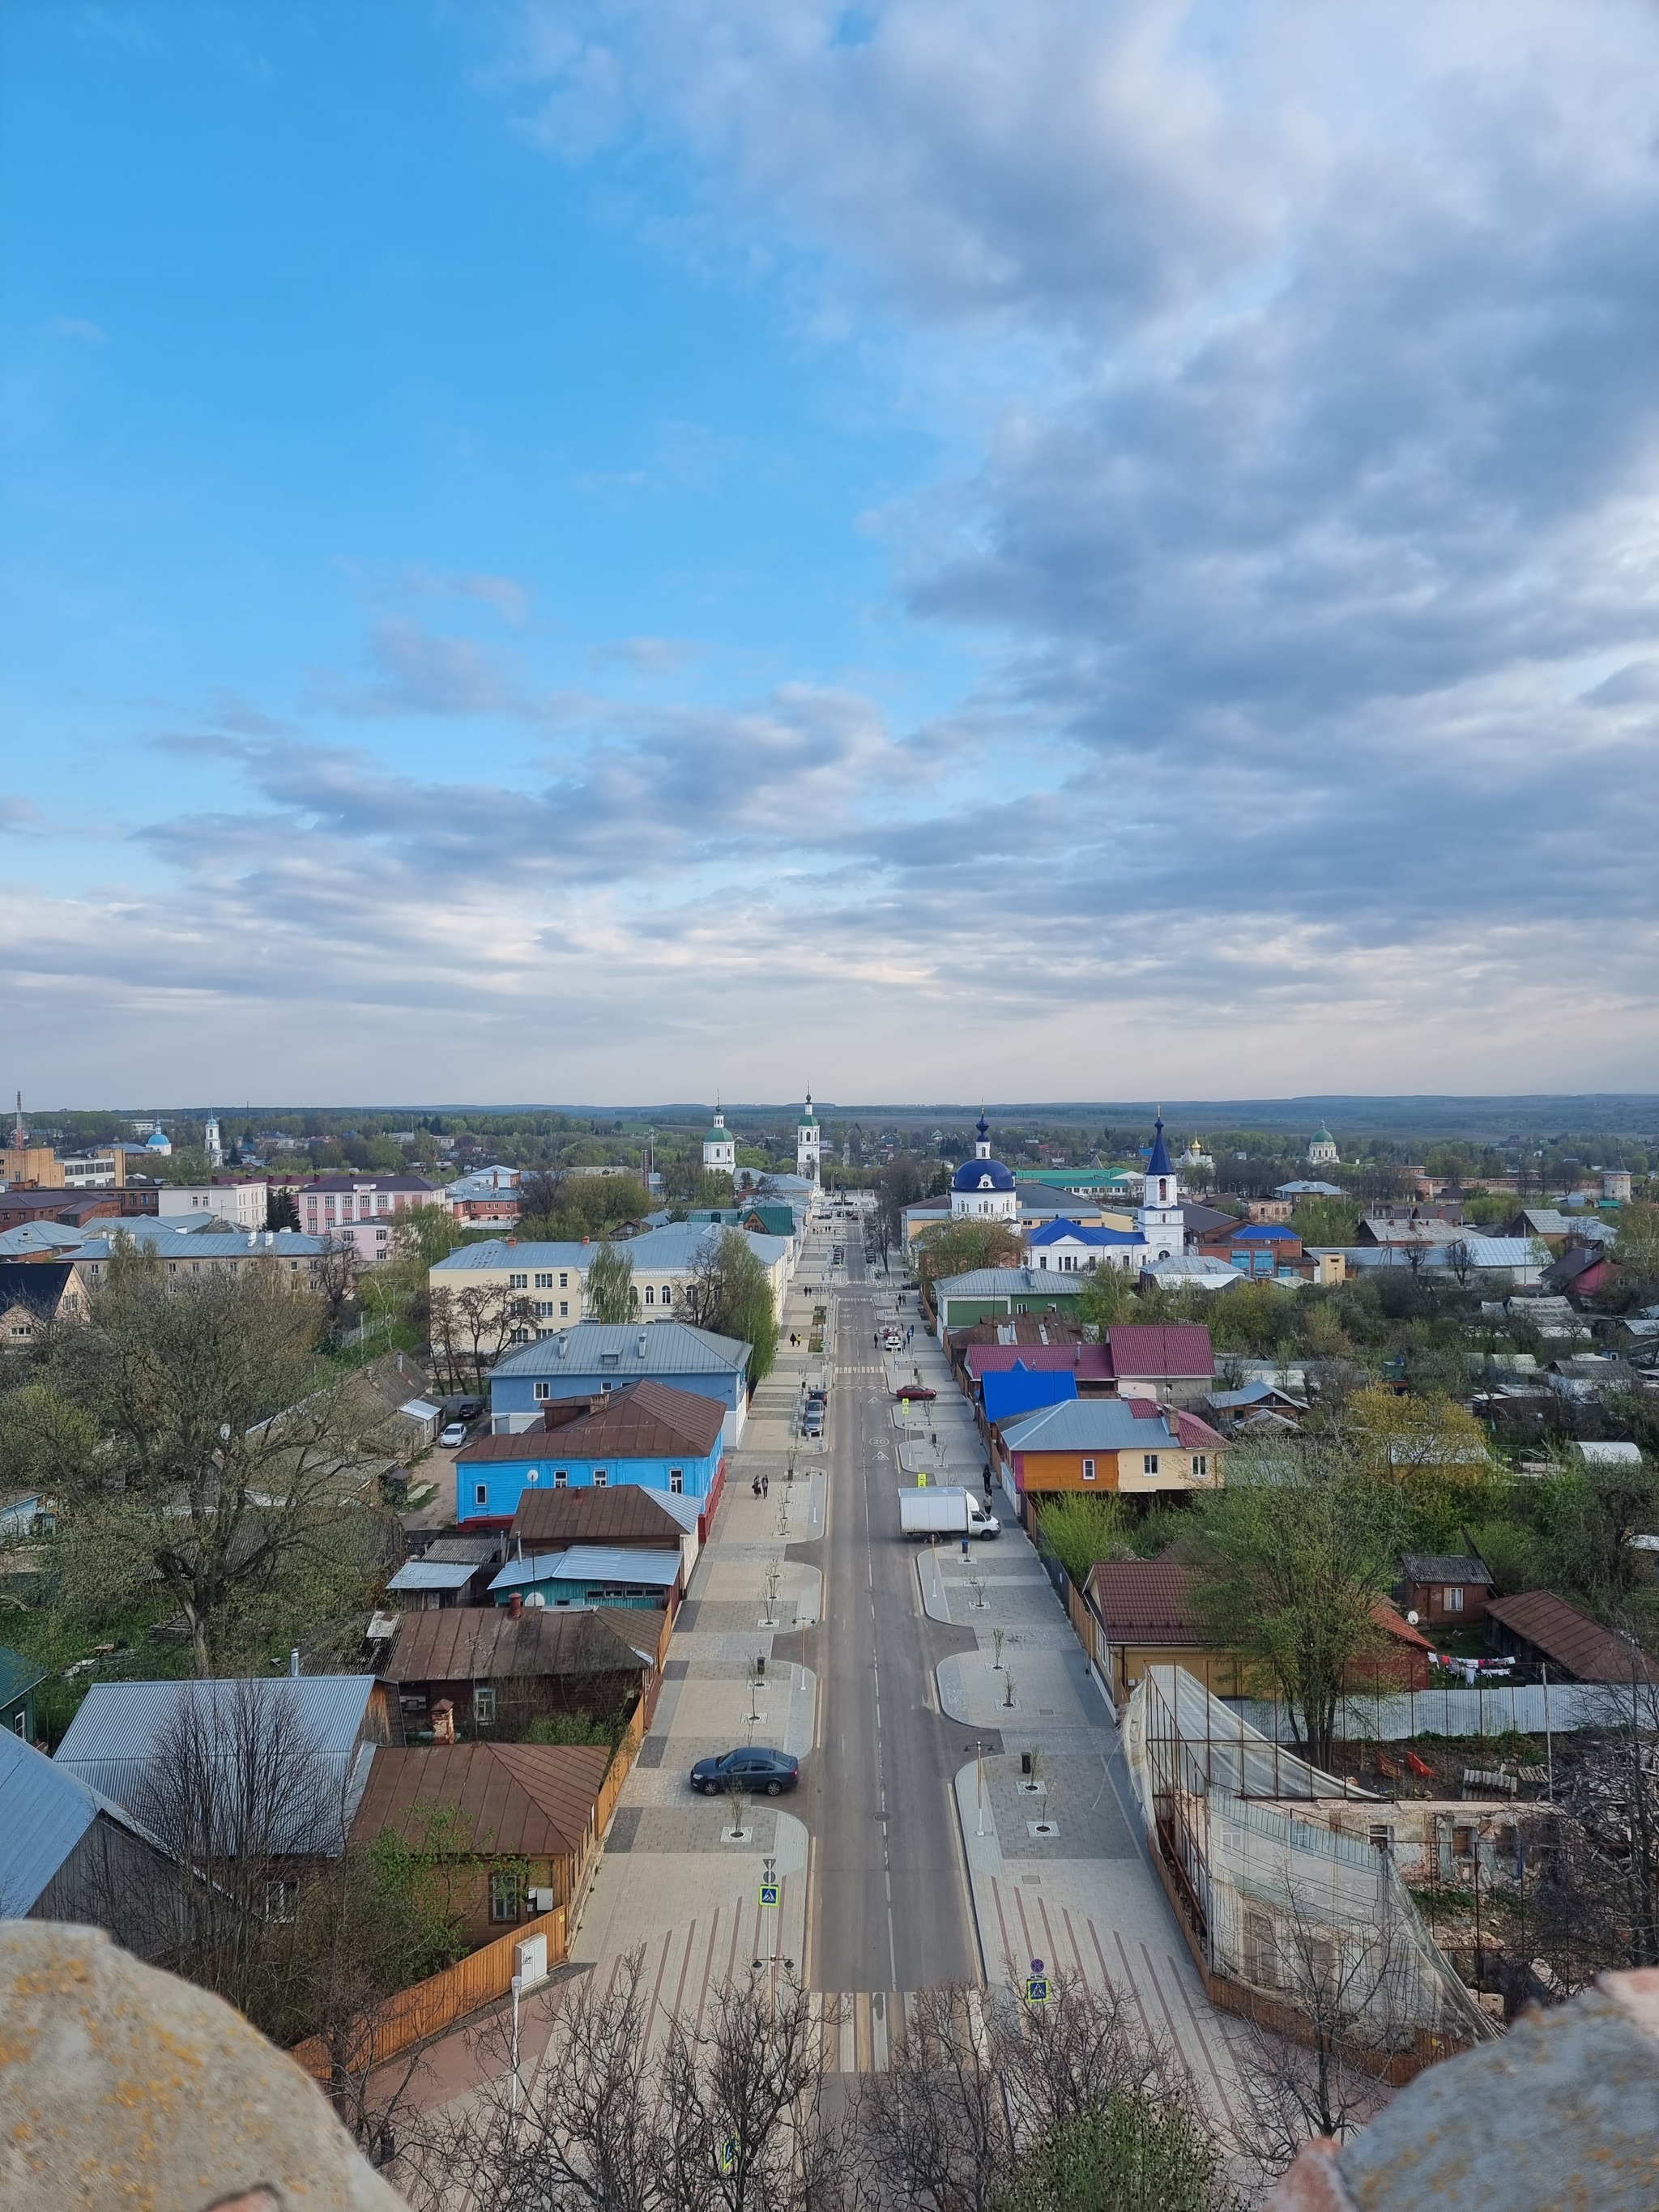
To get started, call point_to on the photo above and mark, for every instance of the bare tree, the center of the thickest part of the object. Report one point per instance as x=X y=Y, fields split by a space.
x=470 y=1328
x=334 y=1277
x=1337 y=1983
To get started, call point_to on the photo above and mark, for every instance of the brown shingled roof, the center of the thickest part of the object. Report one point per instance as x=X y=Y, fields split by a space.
x=483 y=1642
x=1145 y=1600
x=1144 y=1349
x=533 y=1799
x=628 y=1514
x=1569 y=1639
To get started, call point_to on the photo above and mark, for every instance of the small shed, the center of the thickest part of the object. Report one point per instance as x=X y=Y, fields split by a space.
x=1448 y=1589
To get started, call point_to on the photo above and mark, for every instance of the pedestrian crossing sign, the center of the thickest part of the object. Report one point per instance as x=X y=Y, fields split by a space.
x=1037 y=1989
x=728 y=2154
x=769 y=1891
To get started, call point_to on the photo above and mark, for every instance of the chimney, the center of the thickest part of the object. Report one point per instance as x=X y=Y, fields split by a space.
x=294 y=1664
x=515 y=1606
x=639 y=1347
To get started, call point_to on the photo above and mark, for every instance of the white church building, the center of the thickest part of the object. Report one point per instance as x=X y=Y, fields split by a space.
x=809 y=1143
x=719 y=1147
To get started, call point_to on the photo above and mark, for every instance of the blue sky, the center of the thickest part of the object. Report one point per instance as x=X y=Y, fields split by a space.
x=617 y=552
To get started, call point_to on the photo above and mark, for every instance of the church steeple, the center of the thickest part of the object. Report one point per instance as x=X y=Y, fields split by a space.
x=1160 y=1218
x=982 y=1137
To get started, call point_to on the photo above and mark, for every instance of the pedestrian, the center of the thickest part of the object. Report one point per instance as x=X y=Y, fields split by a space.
x=755 y=1485
x=766 y=1486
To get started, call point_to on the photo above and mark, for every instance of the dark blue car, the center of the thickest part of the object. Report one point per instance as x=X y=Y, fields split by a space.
x=757 y=1768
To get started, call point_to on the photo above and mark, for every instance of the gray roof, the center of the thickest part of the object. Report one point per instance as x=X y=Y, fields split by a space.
x=39 y=1237
x=598 y=1563
x=1010 y=1283
x=674 y=1246
x=47 y=1811
x=124 y=1727
x=593 y=1347
x=1445 y=1567
x=435 y=1574
x=170 y=1240
x=1078 y=1423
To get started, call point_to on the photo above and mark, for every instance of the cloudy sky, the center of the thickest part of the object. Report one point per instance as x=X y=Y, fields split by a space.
x=1049 y=550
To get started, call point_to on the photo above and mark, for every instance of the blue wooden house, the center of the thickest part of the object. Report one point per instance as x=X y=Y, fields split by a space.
x=666 y=1439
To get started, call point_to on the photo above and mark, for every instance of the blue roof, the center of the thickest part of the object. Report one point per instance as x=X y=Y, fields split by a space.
x=1015 y=1390
x=1157 y=1162
x=982 y=1175
x=1264 y=1233
x=1056 y=1232
x=47 y=1813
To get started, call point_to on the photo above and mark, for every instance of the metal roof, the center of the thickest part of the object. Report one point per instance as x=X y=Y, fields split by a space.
x=1570 y=1640
x=592 y=1562
x=605 y=1348
x=1010 y=1283
x=627 y=1513
x=122 y=1728
x=171 y=1242
x=435 y=1574
x=18 y=1675
x=484 y=1643
x=47 y=1810
x=1161 y=1349
x=529 y=1800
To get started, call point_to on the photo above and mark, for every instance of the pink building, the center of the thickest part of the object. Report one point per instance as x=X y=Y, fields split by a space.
x=360 y=1210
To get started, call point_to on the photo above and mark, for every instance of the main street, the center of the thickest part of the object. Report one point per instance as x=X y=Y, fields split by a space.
x=889 y=1905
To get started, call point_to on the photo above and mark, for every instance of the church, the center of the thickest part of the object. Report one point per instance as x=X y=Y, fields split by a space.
x=719 y=1147
x=809 y=1143
x=982 y=1189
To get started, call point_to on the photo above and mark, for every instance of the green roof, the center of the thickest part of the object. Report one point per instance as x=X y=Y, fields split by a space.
x=719 y=1137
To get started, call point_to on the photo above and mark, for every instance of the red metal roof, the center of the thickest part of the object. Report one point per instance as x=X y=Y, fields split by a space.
x=1088 y=1362
x=530 y=1800
x=645 y=1420
x=1143 y=1350
x=1146 y=1602
x=1569 y=1639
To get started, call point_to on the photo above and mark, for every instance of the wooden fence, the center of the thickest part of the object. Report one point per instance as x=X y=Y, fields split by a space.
x=426 y=2008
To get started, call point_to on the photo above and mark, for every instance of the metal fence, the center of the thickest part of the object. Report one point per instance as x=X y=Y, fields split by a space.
x=1499 y=1708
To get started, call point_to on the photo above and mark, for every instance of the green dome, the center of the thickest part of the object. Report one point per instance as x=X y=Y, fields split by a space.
x=719 y=1137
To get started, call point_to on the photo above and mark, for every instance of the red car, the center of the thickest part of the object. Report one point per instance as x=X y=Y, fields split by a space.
x=914 y=1390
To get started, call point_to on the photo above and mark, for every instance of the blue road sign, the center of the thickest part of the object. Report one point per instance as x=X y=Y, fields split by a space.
x=1037 y=1989
x=769 y=1893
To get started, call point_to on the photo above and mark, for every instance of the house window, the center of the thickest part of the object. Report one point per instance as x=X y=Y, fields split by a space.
x=543 y=1391
x=545 y=1282
x=564 y=1280
x=1200 y=1467
x=503 y=1896
x=1457 y=1597
x=598 y=1478
x=481 y=1495
x=1381 y=1835
x=676 y=1480
x=650 y=1295
x=280 y=1898
x=1149 y=1462
x=519 y=1336
x=379 y=1236
x=1088 y=1470
x=560 y=1478
x=484 y=1704
x=667 y=1294
x=518 y=1282
x=544 y=1308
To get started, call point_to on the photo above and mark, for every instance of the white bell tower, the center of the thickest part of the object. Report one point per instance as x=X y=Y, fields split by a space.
x=1162 y=1223
x=809 y=1142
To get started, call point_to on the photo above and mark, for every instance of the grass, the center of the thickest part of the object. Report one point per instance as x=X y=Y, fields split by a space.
x=58 y=1639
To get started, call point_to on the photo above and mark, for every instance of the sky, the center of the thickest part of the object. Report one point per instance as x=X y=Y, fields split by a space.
x=930 y=549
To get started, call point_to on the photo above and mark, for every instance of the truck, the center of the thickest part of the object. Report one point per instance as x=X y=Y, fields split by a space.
x=945 y=1512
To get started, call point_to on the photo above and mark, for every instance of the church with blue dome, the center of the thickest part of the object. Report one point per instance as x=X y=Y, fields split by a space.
x=982 y=1189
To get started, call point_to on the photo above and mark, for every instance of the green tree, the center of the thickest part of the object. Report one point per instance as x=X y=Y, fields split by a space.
x=1134 y=2153
x=957 y=1248
x=1290 y=1561
x=731 y=1293
x=1109 y=1297
x=228 y=1459
x=1079 y=1530
x=608 y=1288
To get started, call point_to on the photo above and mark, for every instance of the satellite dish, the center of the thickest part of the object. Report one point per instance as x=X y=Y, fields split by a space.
x=1412 y=1617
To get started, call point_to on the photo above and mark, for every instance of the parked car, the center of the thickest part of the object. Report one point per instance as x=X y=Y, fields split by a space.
x=757 y=1767
x=454 y=1435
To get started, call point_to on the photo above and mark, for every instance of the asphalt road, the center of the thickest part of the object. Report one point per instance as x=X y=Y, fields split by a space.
x=889 y=1906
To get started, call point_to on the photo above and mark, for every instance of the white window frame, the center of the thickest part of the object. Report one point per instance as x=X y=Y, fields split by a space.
x=560 y=1477
x=601 y=1478
x=1149 y=1462
x=542 y=1392
x=1088 y=1470
x=677 y=1481
x=483 y=1705
x=480 y=1493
